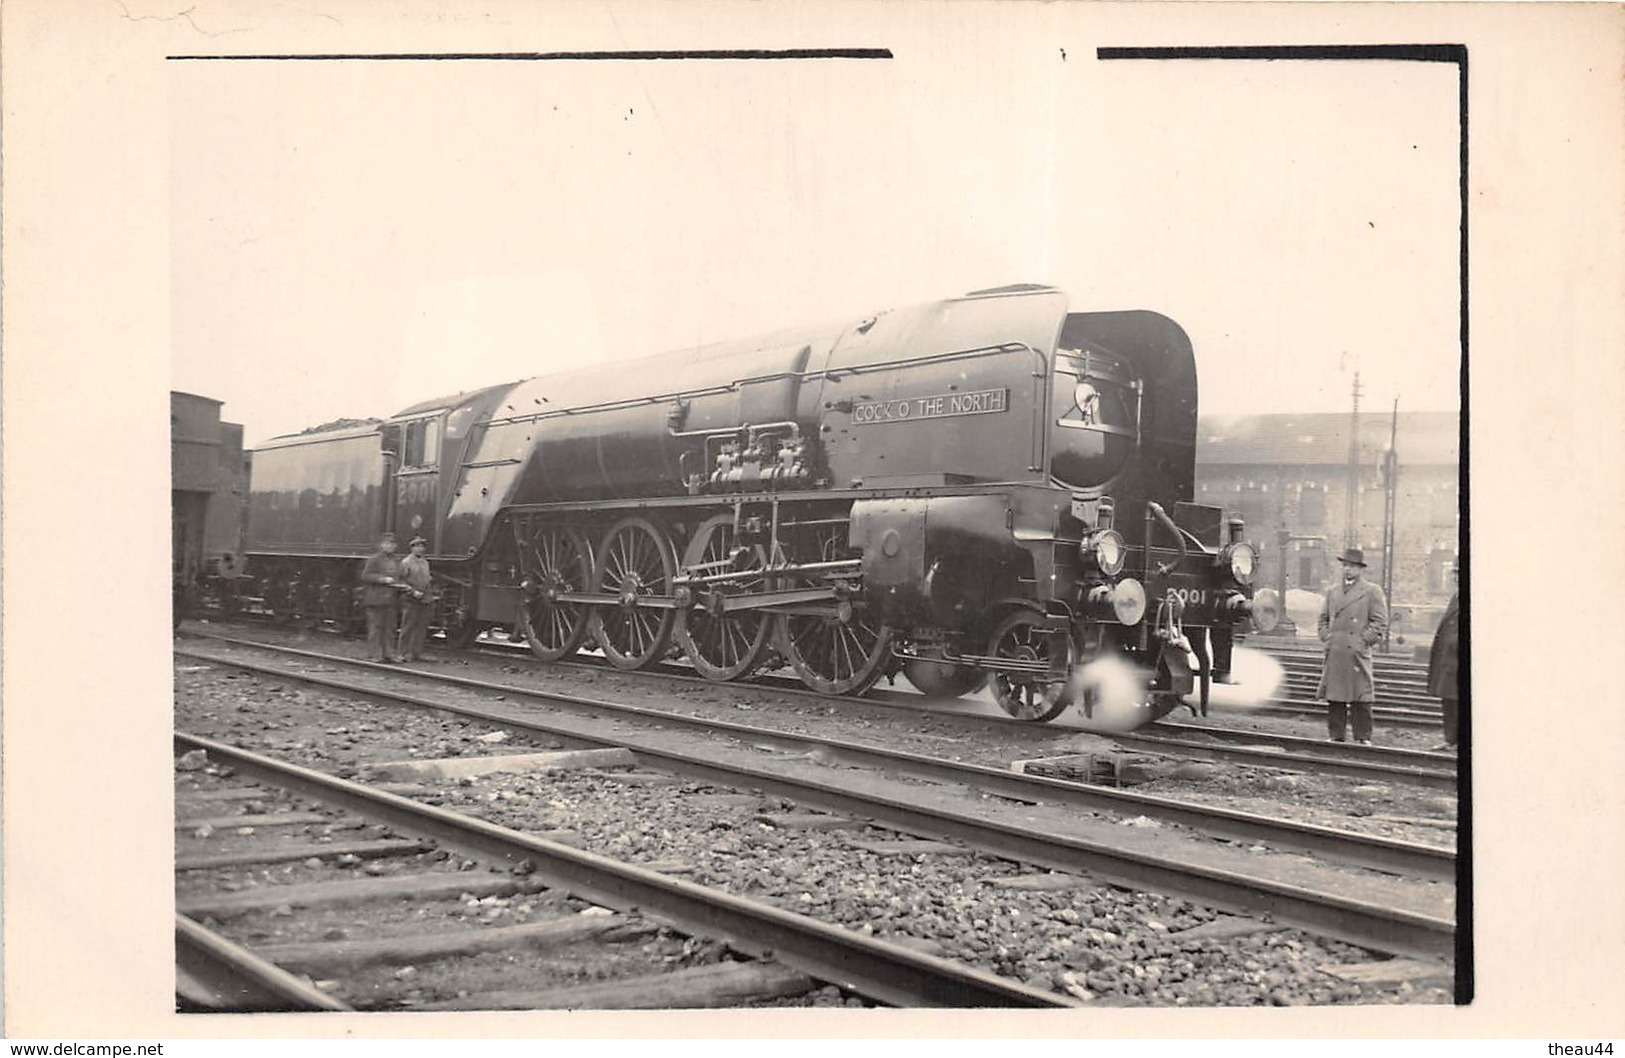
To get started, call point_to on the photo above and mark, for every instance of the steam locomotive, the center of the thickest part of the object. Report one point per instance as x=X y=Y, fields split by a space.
x=986 y=490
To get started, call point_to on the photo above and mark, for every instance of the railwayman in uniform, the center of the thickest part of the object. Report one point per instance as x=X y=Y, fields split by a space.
x=1442 y=667
x=415 y=600
x=1352 y=621
x=381 y=597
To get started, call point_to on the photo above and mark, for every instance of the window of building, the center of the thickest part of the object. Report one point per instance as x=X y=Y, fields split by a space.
x=1253 y=504
x=1441 y=561
x=1312 y=506
x=1443 y=513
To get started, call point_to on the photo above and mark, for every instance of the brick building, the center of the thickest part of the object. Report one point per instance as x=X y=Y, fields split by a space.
x=1292 y=472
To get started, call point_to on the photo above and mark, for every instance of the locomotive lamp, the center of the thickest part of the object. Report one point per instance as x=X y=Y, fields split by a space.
x=1104 y=548
x=1124 y=600
x=1241 y=560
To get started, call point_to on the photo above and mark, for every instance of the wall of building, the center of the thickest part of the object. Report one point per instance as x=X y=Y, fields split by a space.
x=1312 y=502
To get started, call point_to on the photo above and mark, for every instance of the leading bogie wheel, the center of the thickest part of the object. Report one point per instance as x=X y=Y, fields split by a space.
x=724 y=644
x=635 y=563
x=1025 y=636
x=559 y=561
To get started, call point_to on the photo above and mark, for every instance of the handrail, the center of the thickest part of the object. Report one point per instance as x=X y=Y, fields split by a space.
x=834 y=373
x=1164 y=568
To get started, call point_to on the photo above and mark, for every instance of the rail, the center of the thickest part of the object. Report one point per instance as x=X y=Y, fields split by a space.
x=1361 y=922
x=874 y=968
x=212 y=973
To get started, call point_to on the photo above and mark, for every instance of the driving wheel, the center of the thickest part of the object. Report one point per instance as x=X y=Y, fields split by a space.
x=558 y=561
x=723 y=644
x=635 y=563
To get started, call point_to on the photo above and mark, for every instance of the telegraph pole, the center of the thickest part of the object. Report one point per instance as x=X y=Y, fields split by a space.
x=1351 y=523
x=1390 y=496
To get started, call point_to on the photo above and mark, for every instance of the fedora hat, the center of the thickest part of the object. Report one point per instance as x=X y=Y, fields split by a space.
x=1352 y=557
x=416 y=540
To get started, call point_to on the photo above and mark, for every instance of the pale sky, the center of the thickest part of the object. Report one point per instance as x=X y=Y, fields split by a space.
x=352 y=237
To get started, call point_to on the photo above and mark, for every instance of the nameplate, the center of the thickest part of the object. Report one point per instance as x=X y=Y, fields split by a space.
x=937 y=406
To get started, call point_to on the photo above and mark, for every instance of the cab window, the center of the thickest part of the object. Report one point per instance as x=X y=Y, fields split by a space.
x=422 y=443
x=457 y=422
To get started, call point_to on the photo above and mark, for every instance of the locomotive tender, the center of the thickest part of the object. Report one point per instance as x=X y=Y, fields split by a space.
x=208 y=482
x=987 y=488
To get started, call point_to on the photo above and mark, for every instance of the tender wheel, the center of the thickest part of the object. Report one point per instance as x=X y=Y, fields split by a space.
x=559 y=561
x=355 y=623
x=937 y=680
x=1022 y=637
x=634 y=562
x=723 y=646
x=282 y=598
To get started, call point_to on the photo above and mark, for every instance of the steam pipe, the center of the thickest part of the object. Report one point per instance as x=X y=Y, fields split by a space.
x=1154 y=508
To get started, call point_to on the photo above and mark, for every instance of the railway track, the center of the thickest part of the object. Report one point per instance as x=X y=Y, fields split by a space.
x=213 y=974
x=1306 y=649
x=1398 y=673
x=1316 y=711
x=1400 y=683
x=1384 y=924
x=1203 y=741
x=1372 y=852
x=1401 y=700
x=1293 y=753
x=1381 y=763
x=788 y=954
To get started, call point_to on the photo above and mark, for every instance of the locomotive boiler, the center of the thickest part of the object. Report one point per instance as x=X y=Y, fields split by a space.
x=987 y=489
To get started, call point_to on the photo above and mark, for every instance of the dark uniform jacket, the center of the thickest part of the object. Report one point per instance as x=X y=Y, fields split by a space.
x=1442 y=674
x=376 y=592
x=1352 y=621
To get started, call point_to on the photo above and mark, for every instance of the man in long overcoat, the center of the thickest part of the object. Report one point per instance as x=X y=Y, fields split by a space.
x=1442 y=669
x=381 y=577
x=1352 y=621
